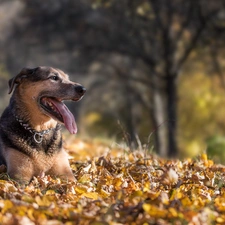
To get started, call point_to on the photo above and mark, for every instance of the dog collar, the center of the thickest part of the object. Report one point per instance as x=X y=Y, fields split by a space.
x=37 y=135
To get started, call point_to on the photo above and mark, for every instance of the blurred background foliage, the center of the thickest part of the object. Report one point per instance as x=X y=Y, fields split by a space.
x=154 y=70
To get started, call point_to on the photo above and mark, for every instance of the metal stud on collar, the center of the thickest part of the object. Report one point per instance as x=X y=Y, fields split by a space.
x=40 y=138
x=40 y=134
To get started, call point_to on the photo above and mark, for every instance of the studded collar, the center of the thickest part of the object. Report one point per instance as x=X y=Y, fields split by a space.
x=37 y=135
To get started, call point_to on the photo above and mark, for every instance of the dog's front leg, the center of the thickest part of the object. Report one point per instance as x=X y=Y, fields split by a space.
x=19 y=166
x=61 y=167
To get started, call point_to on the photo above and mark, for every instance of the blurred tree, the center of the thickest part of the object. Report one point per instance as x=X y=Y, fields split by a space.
x=162 y=34
x=157 y=34
x=4 y=77
x=121 y=95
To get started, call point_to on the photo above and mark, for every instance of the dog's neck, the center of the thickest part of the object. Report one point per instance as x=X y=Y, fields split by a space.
x=37 y=135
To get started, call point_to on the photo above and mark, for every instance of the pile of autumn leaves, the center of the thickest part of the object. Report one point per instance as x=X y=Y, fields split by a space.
x=116 y=186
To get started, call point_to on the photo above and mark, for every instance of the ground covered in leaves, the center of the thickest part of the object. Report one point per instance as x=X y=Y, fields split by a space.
x=116 y=186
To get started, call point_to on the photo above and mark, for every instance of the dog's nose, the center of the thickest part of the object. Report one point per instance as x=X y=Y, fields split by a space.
x=80 y=90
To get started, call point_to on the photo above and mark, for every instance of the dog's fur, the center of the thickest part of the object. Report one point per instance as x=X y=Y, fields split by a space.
x=30 y=136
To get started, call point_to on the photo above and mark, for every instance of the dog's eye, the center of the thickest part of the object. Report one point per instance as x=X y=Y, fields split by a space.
x=54 y=78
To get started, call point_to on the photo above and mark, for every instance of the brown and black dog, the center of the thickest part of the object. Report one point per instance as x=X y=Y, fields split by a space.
x=30 y=136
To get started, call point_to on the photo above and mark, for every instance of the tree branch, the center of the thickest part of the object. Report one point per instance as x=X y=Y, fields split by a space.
x=195 y=38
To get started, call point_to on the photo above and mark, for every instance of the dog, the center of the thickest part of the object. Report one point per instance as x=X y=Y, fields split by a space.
x=30 y=127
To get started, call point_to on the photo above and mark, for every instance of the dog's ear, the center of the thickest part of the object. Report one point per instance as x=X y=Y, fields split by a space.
x=18 y=78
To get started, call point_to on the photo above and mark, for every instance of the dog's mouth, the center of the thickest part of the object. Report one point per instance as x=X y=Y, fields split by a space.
x=56 y=109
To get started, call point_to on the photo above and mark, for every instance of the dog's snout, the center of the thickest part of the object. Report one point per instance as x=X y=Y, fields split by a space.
x=80 y=90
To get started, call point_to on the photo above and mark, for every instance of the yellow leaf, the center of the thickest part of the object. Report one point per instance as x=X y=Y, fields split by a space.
x=186 y=201
x=50 y=192
x=220 y=220
x=155 y=211
x=30 y=214
x=27 y=198
x=117 y=183
x=104 y=193
x=147 y=186
x=204 y=157
x=137 y=193
x=81 y=189
x=46 y=200
x=173 y=212
x=119 y=195
x=176 y=194
x=92 y=195
x=86 y=178
x=146 y=207
x=7 y=205
x=153 y=195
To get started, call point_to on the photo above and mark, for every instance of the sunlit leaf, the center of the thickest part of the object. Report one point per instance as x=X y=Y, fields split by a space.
x=155 y=211
x=92 y=195
x=7 y=204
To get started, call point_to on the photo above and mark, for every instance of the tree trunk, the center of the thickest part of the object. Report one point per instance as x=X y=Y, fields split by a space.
x=171 y=101
x=163 y=113
x=159 y=119
x=131 y=119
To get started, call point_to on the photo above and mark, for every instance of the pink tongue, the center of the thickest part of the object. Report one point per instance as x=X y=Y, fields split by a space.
x=68 y=117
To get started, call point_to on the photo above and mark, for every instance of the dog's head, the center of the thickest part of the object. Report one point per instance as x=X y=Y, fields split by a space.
x=44 y=89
